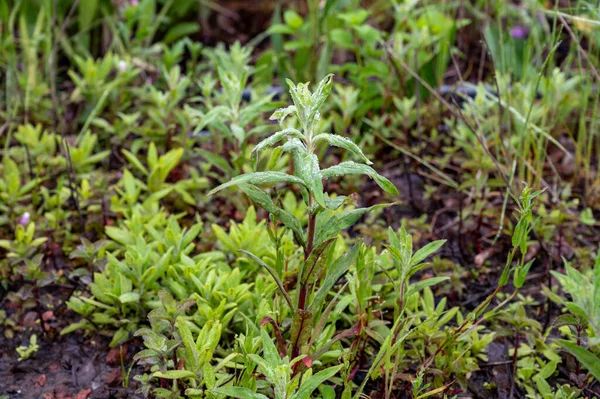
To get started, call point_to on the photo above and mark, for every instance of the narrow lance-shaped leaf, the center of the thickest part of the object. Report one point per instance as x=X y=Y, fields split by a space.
x=306 y=167
x=263 y=199
x=319 y=96
x=273 y=274
x=334 y=273
x=270 y=352
x=331 y=226
x=421 y=285
x=301 y=328
x=427 y=250
x=353 y=168
x=342 y=142
x=272 y=140
x=315 y=381
x=257 y=178
x=587 y=358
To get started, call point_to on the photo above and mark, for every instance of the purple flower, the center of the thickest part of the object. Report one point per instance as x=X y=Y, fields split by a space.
x=25 y=219
x=122 y=66
x=519 y=32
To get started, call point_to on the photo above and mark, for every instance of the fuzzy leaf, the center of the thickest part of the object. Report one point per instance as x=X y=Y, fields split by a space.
x=272 y=140
x=270 y=352
x=587 y=358
x=315 y=381
x=342 y=142
x=353 y=168
x=257 y=178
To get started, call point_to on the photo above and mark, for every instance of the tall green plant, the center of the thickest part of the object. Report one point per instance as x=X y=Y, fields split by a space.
x=324 y=224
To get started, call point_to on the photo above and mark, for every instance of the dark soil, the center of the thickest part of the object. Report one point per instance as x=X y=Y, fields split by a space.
x=67 y=367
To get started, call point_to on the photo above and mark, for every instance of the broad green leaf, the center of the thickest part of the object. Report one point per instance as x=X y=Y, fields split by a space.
x=308 y=170
x=585 y=357
x=308 y=386
x=353 y=168
x=239 y=392
x=257 y=178
x=342 y=142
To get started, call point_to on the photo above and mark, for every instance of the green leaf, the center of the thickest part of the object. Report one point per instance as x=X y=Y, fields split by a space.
x=11 y=176
x=270 y=353
x=133 y=160
x=329 y=227
x=216 y=161
x=274 y=139
x=188 y=343
x=175 y=374
x=180 y=30
x=585 y=357
x=257 y=178
x=565 y=320
x=421 y=285
x=427 y=250
x=314 y=264
x=273 y=274
x=292 y=19
x=301 y=328
x=210 y=117
x=318 y=98
x=265 y=201
x=342 y=142
x=129 y=297
x=521 y=274
x=315 y=381
x=342 y=37
x=307 y=168
x=334 y=273
x=239 y=392
x=353 y=168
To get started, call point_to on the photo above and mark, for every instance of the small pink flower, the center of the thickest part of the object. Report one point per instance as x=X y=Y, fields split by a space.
x=122 y=66
x=519 y=32
x=25 y=219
